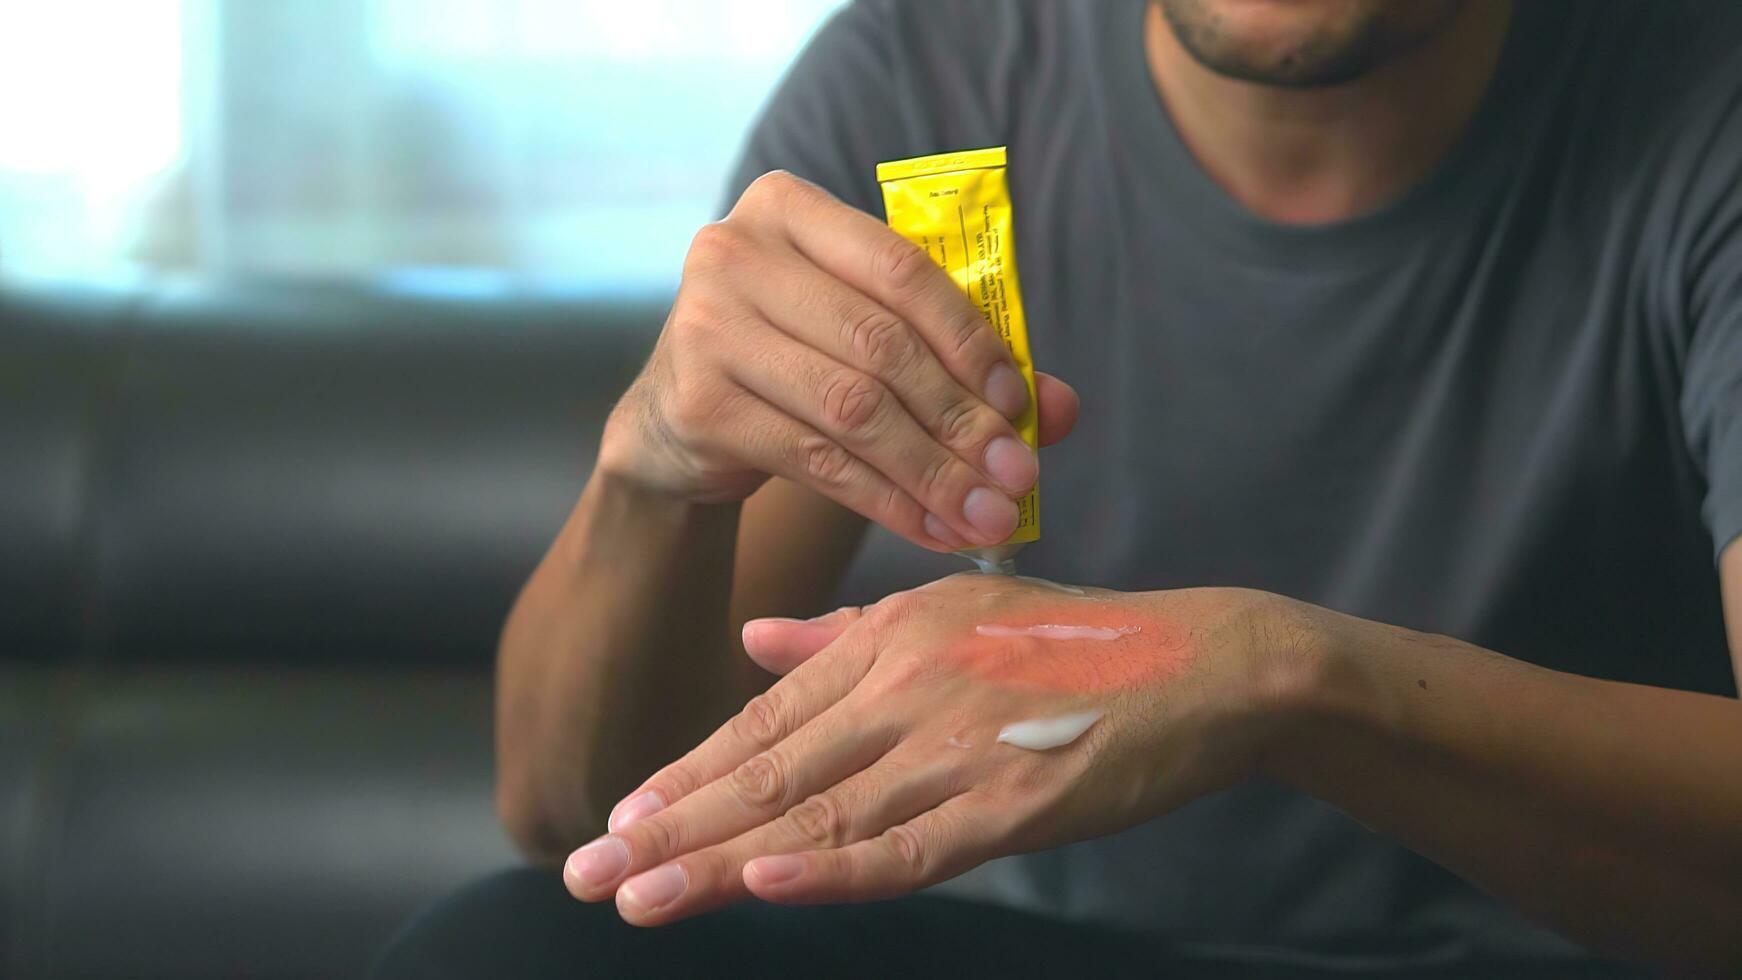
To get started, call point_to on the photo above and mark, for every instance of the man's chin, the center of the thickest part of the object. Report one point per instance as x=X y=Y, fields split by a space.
x=1301 y=44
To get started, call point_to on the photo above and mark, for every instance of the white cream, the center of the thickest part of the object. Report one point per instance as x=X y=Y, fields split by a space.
x=999 y=559
x=1040 y=734
x=992 y=566
x=1058 y=631
x=1047 y=584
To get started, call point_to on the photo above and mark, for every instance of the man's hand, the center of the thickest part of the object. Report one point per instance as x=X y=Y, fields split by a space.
x=810 y=341
x=874 y=768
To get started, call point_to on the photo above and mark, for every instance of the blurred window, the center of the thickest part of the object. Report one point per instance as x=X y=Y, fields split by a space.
x=574 y=143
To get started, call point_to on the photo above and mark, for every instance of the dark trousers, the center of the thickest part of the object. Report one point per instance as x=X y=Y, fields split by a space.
x=524 y=924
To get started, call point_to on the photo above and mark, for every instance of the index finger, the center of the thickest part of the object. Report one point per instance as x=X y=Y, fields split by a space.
x=766 y=720
x=863 y=252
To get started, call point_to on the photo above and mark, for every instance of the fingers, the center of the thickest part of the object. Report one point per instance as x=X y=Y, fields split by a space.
x=806 y=692
x=860 y=807
x=827 y=750
x=863 y=252
x=830 y=316
x=868 y=423
x=809 y=341
x=935 y=846
x=775 y=442
x=778 y=645
x=1059 y=407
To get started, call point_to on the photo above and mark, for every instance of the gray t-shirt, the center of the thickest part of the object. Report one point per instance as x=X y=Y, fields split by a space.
x=1505 y=407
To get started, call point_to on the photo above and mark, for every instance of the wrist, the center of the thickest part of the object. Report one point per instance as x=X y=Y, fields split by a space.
x=620 y=514
x=632 y=460
x=1313 y=687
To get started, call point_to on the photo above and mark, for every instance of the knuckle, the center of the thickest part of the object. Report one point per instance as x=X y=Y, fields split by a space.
x=715 y=244
x=709 y=867
x=820 y=821
x=762 y=722
x=773 y=182
x=824 y=462
x=694 y=314
x=691 y=406
x=852 y=401
x=955 y=422
x=958 y=423
x=896 y=508
x=934 y=476
x=903 y=267
x=656 y=835
x=965 y=330
x=775 y=189
x=909 y=849
x=690 y=343
x=677 y=781
x=879 y=340
x=760 y=781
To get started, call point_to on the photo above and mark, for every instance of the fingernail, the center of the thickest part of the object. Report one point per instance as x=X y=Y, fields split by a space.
x=942 y=532
x=776 y=869
x=1006 y=391
x=599 y=862
x=993 y=515
x=751 y=635
x=1012 y=463
x=634 y=808
x=657 y=888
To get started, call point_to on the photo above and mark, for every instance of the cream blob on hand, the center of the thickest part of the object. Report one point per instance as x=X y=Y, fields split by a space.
x=1040 y=734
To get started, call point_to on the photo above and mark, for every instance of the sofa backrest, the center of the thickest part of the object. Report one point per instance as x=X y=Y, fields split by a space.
x=297 y=474
x=301 y=474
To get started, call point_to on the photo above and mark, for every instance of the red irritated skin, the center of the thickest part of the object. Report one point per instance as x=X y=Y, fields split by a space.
x=1076 y=648
x=872 y=768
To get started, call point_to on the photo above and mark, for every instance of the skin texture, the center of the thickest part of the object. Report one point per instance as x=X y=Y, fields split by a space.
x=872 y=769
x=1289 y=44
x=883 y=745
x=1039 y=646
x=1036 y=637
x=1150 y=653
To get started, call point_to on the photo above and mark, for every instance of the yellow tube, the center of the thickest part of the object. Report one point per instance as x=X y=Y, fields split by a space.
x=956 y=206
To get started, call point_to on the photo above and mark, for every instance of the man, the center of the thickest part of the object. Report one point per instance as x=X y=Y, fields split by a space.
x=1419 y=321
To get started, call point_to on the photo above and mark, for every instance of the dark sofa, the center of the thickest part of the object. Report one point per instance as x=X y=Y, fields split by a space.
x=256 y=542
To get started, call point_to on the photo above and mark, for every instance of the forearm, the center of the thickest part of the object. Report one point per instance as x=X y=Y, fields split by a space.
x=1611 y=812
x=615 y=659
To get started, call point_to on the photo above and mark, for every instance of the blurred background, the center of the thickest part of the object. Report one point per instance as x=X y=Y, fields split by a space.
x=569 y=143
x=310 y=311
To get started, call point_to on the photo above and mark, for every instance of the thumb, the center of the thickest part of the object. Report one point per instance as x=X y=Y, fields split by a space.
x=778 y=645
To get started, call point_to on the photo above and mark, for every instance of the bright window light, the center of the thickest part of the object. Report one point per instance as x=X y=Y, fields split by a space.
x=90 y=87
x=571 y=142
